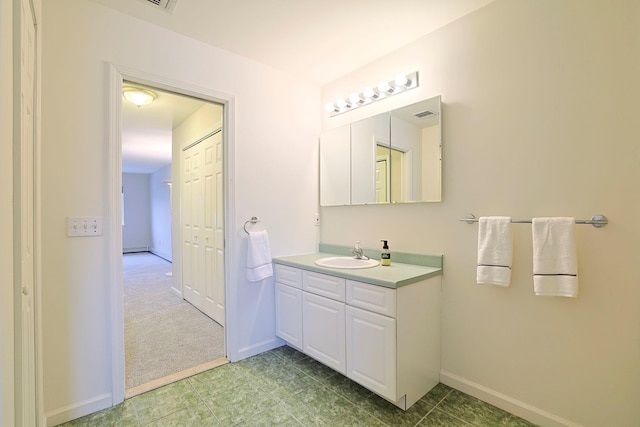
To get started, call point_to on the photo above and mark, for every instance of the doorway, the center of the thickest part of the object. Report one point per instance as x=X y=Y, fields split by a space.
x=166 y=337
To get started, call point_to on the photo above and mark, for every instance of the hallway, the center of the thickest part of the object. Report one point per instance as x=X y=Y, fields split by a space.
x=164 y=334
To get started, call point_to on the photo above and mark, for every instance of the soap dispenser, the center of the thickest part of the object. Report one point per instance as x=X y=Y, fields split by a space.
x=385 y=257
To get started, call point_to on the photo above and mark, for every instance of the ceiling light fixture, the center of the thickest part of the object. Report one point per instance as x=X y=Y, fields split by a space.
x=138 y=96
x=384 y=89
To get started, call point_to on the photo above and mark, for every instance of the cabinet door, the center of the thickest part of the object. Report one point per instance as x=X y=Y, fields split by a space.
x=323 y=330
x=289 y=314
x=371 y=351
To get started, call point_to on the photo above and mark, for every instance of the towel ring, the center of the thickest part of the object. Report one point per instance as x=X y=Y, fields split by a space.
x=253 y=220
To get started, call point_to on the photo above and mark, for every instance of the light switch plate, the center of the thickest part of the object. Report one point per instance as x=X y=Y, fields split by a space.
x=82 y=226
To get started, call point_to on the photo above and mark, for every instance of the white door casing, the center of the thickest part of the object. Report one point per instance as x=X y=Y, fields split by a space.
x=118 y=74
x=28 y=402
x=214 y=225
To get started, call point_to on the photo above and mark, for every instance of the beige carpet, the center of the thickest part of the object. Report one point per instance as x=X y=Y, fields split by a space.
x=163 y=333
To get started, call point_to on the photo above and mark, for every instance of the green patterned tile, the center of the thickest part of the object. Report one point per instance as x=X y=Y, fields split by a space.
x=306 y=419
x=288 y=353
x=122 y=415
x=285 y=382
x=321 y=407
x=346 y=388
x=324 y=406
x=219 y=379
x=284 y=387
x=314 y=369
x=437 y=418
x=163 y=401
x=313 y=395
x=392 y=415
x=515 y=421
x=353 y=416
x=473 y=410
x=276 y=416
x=261 y=363
x=193 y=415
x=238 y=404
x=436 y=394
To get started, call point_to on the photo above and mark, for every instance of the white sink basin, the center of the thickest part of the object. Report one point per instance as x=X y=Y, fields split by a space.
x=346 y=262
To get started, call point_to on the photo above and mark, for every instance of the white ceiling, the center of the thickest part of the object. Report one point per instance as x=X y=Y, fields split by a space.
x=318 y=41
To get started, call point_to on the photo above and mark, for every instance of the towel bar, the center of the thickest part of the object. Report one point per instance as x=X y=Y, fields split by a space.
x=253 y=220
x=597 y=221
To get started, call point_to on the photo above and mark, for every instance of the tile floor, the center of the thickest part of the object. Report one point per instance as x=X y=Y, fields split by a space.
x=283 y=387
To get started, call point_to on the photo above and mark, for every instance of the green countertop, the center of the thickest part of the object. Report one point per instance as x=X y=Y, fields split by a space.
x=393 y=276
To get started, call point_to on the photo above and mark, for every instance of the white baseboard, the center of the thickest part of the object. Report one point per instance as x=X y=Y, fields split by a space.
x=258 y=348
x=177 y=292
x=135 y=249
x=165 y=256
x=78 y=410
x=523 y=410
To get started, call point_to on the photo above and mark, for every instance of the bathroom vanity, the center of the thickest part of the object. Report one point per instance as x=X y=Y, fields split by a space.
x=379 y=326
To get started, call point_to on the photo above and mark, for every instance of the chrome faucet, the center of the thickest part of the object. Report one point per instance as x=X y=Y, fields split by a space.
x=357 y=252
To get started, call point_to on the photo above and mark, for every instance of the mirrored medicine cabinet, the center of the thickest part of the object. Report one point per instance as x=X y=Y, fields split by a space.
x=393 y=157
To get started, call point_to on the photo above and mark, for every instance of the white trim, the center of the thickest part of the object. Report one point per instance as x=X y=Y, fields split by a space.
x=135 y=250
x=78 y=410
x=117 y=75
x=37 y=231
x=502 y=401
x=115 y=236
x=258 y=348
x=159 y=254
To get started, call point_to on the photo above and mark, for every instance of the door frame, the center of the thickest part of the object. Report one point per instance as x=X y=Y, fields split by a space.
x=117 y=75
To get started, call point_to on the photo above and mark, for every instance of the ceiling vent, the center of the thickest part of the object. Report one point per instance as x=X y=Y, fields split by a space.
x=423 y=114
x=166 y=5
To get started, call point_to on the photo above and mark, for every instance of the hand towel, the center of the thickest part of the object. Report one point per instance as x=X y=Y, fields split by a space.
x=555 y=261
x=495 y=251
x=258 y=256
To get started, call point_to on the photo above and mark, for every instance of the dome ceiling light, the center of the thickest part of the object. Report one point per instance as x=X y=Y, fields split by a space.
x=138 y=96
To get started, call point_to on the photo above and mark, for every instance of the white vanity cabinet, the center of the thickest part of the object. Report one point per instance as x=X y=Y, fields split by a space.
x=289 y=305
x=386 y=339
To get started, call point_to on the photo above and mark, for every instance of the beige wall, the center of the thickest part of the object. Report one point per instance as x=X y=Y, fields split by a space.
x=540 y=99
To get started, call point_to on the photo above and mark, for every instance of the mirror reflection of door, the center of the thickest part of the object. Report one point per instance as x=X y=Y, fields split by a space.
x=382 y=168
x=390 y=171
x=397 y=176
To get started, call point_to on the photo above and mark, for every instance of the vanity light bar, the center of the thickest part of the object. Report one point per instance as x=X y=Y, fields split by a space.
x=384 y=89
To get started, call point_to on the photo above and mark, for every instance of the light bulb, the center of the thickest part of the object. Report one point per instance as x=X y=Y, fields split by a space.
x=401 y=81
x=355 y=98
x=383 y=86
x=329 y=107
x=342 y=104
x=368 y=92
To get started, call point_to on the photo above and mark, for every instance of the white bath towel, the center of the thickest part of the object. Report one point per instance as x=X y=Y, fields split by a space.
x=495 y=251
x=555 y=261
x=258 y=256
